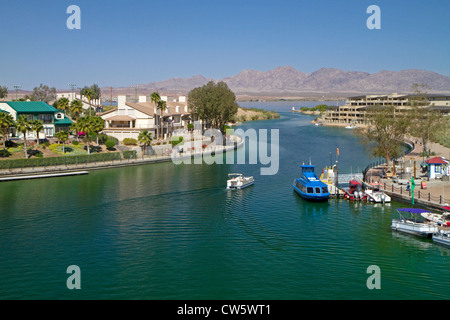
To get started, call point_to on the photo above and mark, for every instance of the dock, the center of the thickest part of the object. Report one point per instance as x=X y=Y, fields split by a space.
x=43 y=175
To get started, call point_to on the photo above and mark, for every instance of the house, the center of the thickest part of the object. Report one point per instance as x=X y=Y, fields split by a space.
x=128 y=119
x=436 y=167
x=53 y=119
x=95 y=103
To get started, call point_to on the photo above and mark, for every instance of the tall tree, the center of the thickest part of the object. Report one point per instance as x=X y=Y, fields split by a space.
x=155 y=97
x=84 y=124
x=161 y=106
x=43 y=93
x=385 y=131
x=145 y=138
x=426 y=124
x=62 y=137
x=215 y=103
x=23 y=126
x=76 y=108
x=6 y=122
x=37 y=126
x=3 y=92
x=97 y=125
x=89 y=94
x=63 y=104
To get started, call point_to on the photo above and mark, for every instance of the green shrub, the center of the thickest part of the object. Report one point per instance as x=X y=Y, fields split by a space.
x=129 y=141
x=175 y=140
x=110 y=144
x=75 y=143
x=54 y=161
x=130 y=154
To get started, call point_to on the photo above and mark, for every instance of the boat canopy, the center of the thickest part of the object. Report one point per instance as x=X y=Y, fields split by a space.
x=414 y=210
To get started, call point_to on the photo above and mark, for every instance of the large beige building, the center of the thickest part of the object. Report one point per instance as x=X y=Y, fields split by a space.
x=128 y=119
x=354 y=111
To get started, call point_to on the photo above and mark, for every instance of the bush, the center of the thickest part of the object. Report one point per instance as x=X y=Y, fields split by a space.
x=175 y=140
x=75 y=143
x=130 y=154
x=129 y=141
x=54 y=161
x=110 y=144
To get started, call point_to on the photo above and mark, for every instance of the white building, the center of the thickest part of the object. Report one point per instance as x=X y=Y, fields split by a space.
x=128 y=119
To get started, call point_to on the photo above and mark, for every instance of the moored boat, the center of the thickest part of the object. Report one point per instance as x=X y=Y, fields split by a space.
x=414 y=226
x=238 y=181
x=354 y=191
x=329 y=177
x=442 y=237
x=309 y=186
x=374 y=194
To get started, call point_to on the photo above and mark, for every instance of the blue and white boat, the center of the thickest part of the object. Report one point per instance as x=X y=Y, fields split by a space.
x=309 y=186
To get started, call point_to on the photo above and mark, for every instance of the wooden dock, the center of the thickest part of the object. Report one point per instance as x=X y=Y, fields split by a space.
x=43 y=175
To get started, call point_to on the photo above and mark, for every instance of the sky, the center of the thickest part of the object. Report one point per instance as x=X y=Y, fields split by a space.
x=125 y=43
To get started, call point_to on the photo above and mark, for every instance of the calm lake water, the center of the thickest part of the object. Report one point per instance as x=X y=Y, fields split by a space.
x=164 y=231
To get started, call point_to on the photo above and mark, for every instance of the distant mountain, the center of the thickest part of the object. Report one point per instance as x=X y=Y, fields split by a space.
x=285 y=81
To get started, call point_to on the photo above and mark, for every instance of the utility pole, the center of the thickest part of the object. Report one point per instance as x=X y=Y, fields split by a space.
x=73 y=86
x=17 y=88
x=111 y=98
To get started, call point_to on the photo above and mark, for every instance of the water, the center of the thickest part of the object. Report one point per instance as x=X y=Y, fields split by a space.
x=163 y=231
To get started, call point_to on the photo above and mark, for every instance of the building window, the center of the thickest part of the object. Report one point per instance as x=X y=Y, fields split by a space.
x=45 y=118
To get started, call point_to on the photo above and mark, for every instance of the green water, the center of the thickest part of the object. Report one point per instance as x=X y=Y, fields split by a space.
x=164 y=231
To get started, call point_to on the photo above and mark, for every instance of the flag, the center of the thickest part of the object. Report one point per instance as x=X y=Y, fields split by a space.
x=413 y=184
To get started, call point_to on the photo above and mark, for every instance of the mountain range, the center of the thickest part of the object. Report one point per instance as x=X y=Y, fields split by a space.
x=288 y=81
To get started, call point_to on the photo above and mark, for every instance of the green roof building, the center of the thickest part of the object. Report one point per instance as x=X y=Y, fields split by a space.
x=53 y=119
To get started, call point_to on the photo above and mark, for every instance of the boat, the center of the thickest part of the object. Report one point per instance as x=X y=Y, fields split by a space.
x=374 y=194
x=440 y=219
x=354 y=191
x=328 y=177
x=414 y=226
x=442 y=237
x=309 y=186
x=351 y=126
x=318 y=124
x=238 y=181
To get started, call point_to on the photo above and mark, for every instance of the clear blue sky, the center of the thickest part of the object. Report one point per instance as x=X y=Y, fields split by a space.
x=122 y=43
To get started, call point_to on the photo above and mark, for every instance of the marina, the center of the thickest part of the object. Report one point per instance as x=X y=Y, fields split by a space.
x=166 y=231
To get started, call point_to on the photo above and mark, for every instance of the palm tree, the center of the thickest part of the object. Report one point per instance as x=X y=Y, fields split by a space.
x=161 y=106
x=62 y=136
x=74 y=127
x=63 y=104
x=155 y=97
x=37 y=126
x=97 y=125
x=84 y=124
x=90 y=95
x=23 y=125
x=76 y=108
x=6 y=121
x=145 y=138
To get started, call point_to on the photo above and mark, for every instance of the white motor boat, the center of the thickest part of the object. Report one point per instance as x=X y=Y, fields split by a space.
x=440 y=219
x=351 y=126
x=238 y=181
x=414 y=226
x=442 y=238
x=374 y=194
